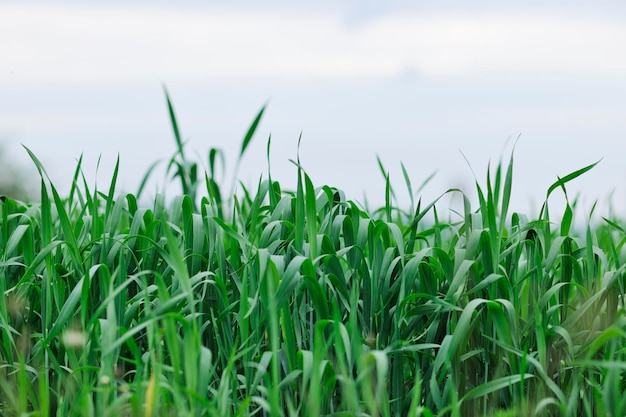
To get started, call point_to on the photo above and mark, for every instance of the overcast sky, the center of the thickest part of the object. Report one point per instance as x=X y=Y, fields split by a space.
x=413 y=83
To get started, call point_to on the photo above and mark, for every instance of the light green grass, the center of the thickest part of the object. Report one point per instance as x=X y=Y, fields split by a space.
x=279 y=303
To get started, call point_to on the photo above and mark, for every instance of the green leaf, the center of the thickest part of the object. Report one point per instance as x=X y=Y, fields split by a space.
x=495 y=385
x=562 y=181
x=251 y=130
x=174 y=123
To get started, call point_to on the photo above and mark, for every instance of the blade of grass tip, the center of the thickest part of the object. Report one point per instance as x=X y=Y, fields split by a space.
x=273 y=196
x=569 y=177
x=481 y=198
x=385 y=175
x=251 y=130
x=469 y=165
x=592 y=265
x=420 y=214
x=214 y=154
x=614 y=225
x=409 y=188
x=299 y=215
x=46 y=217
x=97 y=170
x=497 y=184
x=174 y=123
x=388 y=195
x=111 y=196
x=74 y=189
x=426 y=181
x=42 y=172
x=568 y=215
x=213 y=191
x=180 y=172
x=491 y=207
x=146 y=177
x=244 y=144
x=300 y=205
x=412 y=229
x=311 y=216
x=506 y=192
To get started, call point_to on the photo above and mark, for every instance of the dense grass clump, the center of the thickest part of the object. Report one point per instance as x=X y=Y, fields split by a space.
x=278 y=303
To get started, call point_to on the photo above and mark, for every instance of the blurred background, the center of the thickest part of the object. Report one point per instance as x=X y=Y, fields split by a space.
x=422 y=83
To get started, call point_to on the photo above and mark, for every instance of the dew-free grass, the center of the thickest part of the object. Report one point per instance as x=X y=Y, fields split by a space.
x=301 y=303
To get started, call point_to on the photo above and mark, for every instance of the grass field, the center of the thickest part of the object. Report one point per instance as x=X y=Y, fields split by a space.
x=301 y=303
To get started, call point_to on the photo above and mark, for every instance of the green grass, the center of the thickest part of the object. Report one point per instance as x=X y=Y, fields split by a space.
x=301 y=303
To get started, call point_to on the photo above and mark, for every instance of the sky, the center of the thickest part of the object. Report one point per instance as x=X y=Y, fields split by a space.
x=446 y=89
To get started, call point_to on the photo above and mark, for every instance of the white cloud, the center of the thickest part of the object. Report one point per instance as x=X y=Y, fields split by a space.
x=46 y=43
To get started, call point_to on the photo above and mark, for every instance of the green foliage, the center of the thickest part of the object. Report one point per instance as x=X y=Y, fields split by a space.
x=278 y=303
